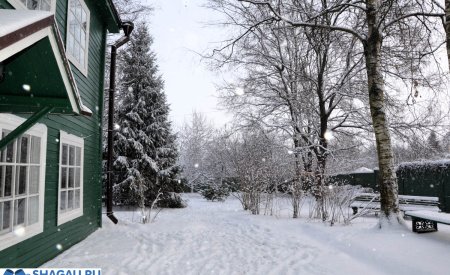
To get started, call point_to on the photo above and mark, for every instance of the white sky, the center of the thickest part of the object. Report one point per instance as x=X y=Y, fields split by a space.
x=176 y=26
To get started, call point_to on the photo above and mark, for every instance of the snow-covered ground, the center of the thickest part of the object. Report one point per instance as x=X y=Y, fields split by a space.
x=221 y=238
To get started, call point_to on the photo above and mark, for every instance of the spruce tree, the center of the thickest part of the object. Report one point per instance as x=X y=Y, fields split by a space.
x=144 y=146
x=433 y=142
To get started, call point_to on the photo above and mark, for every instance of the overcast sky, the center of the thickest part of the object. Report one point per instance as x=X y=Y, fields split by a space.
x=176 y=26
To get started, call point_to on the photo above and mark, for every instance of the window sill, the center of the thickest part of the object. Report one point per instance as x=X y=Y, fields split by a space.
x=68 y=216
x=11 y=238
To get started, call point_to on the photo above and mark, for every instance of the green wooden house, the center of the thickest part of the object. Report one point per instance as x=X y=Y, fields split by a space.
x=52 y=66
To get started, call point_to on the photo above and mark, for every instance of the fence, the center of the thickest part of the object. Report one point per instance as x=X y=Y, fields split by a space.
x=414 y=178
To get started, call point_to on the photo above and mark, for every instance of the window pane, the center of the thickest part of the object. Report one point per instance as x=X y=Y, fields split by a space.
x=32 y=4
x=83 y=39
x=34 y=180
x=63 y=177
x=84 y=19
x=19 y=211
x=24 y=2
x=77 y=177
x=72 y=22
x=6 y=217
x=78 y=163
x=33 y=210
x=70 y=200
x=62 y=203
x=22 y=149
x=35 y=150
x=2 y=180
x=8 y=180
x=77 y=201
x=21 y=180
x=78 y=10
x=76 y=53
x=72 y=5
x=77 y=32
x=71 y=44
x=7 y=153
x=45 y=6
x=71 y=155
x=64 y=154
x=71 y=177
x=82 y=57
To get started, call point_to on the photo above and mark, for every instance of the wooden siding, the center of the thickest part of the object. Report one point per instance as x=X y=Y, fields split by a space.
x=37 y=250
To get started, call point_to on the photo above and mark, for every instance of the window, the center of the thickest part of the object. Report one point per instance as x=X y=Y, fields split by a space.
x=22 y=181
x=78 y=34
x=70 y=177
x=44 y=5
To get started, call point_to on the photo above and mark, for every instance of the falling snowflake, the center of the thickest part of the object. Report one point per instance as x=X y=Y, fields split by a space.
x=239 y=91
x=328 y=135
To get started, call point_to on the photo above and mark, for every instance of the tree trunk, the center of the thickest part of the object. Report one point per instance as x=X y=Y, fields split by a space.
x=447 y=28
x=388 y=179
x=320 y=176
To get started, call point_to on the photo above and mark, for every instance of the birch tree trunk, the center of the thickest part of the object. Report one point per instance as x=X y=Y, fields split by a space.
x=447 y=29
x=388 y=179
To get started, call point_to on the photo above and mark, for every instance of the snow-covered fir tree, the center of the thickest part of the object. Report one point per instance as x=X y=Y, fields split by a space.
x=144 y=146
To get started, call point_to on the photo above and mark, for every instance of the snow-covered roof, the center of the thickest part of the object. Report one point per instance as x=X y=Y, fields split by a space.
x=442 y=162
x=13 y=21
x=362 y=170
x=20 y=30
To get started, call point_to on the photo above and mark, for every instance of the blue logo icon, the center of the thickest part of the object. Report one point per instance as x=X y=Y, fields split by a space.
x=18 y=272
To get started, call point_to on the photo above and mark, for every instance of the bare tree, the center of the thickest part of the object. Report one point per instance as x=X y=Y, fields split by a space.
x=297 y=82
x=256 y=160
x=195 y=137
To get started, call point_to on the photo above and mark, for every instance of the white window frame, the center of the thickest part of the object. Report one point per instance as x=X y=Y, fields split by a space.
x=73 y=60
x=18 y=5
x=70 y=140
x=11 y=122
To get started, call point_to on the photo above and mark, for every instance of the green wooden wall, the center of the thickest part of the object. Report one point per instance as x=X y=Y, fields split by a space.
x=431 y=179
x=39 y=249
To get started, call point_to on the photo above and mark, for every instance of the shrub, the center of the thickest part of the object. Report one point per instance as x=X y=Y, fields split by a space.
x=173 y=200
x=214 y=191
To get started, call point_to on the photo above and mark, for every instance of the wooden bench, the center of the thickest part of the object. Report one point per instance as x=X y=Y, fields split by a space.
x=371 y=202
x=426 y=221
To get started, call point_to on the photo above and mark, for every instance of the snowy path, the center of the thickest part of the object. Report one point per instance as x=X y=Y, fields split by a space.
x=220 y=238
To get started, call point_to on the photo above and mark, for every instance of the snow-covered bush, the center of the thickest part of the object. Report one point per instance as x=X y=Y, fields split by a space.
x=214 y=191
x=171 y=200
